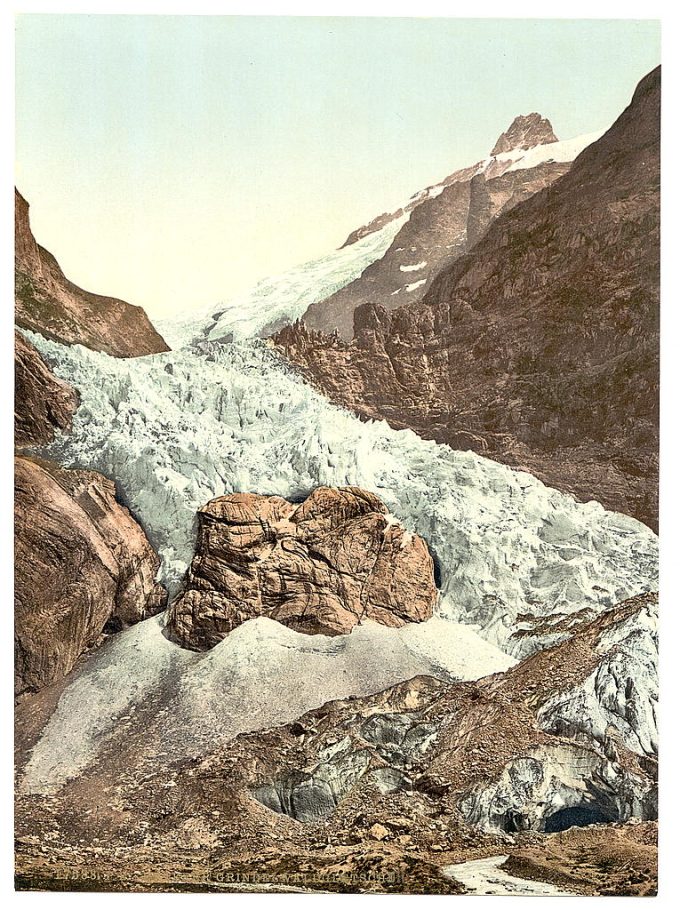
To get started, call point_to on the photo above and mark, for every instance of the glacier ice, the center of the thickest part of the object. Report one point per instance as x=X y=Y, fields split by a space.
x=179 y=428
x=281 y=299
x=621 y=693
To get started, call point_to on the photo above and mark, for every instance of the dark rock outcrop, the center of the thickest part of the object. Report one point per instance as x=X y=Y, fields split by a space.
x=319 y=567
x=445 y=222
x=525 y=132
x=83 y=567
x=42 y=402
x=48 y=303
x=539 y=348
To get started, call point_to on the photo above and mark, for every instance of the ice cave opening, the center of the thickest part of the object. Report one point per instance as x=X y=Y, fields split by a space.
x=578 y=817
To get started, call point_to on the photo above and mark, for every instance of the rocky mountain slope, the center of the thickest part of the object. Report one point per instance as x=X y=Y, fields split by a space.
x=448 y=219
x=82 y=567
x=538 y=348
x=47 y=302
x=321 y=566
x=43 y=404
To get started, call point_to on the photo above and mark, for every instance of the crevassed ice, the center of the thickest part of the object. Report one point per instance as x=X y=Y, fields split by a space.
x=177 y=429
x=282 y=299
x=621 y=693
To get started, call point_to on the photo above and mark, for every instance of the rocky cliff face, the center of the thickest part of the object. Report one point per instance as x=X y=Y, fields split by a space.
x=42 y=403
x=539 y=347
x=318 y=567
x=447 y=220
x=524 y=132
x=83 y=567
x=47 y=302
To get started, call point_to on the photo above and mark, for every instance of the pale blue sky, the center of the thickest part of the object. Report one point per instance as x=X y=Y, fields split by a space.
x=173 y=161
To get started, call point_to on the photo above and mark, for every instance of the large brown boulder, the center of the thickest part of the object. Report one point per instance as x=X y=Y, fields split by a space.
x=83 y=566
x=47 y=302
x=319 y=567
x=42 y=402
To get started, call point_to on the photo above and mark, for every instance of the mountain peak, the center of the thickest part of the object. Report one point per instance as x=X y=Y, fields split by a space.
x=525 y=132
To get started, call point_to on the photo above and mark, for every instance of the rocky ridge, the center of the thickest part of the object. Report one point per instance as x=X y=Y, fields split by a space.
x=320 y=566
x=524 y=132
x=47 y=302
x=447 y=220
x=539 y=348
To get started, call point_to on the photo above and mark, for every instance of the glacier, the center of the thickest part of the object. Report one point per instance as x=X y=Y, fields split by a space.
x=180 y=428
x=225 y=413
x=279 y=300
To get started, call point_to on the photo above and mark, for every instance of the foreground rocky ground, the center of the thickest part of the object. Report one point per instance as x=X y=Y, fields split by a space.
x=378 y=793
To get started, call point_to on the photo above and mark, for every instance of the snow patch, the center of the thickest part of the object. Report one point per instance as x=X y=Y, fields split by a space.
x=567 y=150
x=262 y=675
x=412 y=268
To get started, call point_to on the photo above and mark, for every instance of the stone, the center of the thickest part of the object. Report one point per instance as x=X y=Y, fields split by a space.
x=320 y=566
x=83 y=566
x=47 y=302
x=43 y=403
x=378 y=832
x=525 y=132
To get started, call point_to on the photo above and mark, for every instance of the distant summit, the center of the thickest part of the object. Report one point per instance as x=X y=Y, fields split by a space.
x=525 y=132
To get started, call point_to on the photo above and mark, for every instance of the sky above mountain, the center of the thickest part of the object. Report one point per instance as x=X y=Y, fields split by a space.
x=174 y=161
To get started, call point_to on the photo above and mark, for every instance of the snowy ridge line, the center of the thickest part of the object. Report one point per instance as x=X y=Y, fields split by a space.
x=180 y=428
x=281 y=299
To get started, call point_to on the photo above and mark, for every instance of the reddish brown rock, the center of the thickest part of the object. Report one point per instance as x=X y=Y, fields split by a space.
x=538 y=348
x=42 y=403
x=83 y=566
x=319 y=567
x=47 y=302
